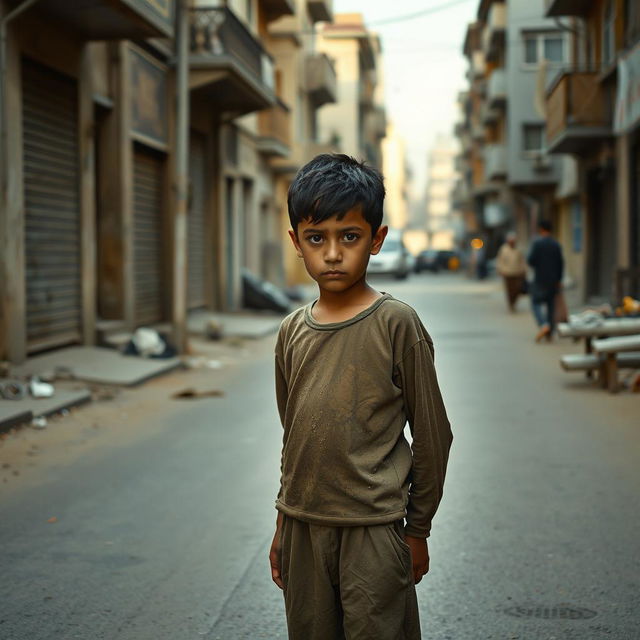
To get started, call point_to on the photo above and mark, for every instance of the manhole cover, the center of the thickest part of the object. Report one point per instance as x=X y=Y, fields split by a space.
x=549 y=612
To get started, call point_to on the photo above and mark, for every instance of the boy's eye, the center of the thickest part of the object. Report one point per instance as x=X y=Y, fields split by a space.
x=315 y=238
x=351 y=237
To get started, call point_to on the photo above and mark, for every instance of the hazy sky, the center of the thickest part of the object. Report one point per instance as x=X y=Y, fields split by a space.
x=423 y=65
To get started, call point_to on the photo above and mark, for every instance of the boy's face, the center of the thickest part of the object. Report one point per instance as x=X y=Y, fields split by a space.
x=336 y=252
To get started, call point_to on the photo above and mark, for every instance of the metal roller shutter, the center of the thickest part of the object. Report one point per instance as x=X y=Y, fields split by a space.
x=197 y=240
x=52 y=215
x=148 y=237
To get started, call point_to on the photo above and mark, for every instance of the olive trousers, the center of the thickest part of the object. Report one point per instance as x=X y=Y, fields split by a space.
x=348 y=583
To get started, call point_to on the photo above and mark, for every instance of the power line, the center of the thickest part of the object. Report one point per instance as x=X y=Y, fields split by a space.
x=418 y=14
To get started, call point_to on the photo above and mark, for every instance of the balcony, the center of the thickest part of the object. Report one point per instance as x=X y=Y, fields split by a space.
x=274 y=9
x=378 y=122
x=568 y=7
x=228 y=64
x=477 y=131
x=367 y=89
x=497 y=89
x=489 y=114
x=493 y=36
x=114 y=19
x=478 y=65
x=274 y=130
x=321 y=80
x=577 y=113
x=320 y=10
x=495 y=161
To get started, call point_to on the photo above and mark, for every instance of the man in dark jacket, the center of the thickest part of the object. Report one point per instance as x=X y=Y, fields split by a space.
x=545 y=257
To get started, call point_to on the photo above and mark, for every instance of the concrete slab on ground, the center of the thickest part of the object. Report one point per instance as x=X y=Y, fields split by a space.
x=97 y=365
x=236 y=325
x=13 y=412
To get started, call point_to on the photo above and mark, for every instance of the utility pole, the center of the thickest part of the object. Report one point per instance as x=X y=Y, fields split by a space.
x=181 y=179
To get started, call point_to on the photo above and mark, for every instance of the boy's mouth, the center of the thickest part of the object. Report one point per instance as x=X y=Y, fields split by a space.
x=333 y=272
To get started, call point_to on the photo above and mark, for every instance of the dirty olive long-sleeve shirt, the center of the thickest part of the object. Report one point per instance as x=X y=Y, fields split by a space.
x=345 y=391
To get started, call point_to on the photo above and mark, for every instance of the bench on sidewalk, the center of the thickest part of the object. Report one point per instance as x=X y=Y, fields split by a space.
x=611 y=350
x=593 y=362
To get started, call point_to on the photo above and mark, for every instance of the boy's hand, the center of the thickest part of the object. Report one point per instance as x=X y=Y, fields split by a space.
x=274 y=554
x=419 y=556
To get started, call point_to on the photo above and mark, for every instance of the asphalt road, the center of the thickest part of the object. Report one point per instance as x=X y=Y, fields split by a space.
x=165 y=536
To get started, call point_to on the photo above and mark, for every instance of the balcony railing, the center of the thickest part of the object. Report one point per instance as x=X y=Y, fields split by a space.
x=497 y=88
x=321 y=80
x=494 y=32
x=227 y=58
x=568 y=7
x=320 y=10
x=274 y=130
x=495 y=161
x=577 y=112
x=115 y=19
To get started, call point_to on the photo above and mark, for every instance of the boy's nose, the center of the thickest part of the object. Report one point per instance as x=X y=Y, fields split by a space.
x=333 y=252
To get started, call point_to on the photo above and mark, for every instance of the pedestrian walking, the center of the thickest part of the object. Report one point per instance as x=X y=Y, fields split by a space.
x=545 y=257
x=511 y=265
x=351 y=369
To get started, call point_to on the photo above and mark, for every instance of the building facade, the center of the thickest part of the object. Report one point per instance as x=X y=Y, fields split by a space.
x=90 y=237
x=356 y=123
x=549 y=129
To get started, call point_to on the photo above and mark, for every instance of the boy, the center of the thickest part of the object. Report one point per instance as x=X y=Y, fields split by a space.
x=351 y=369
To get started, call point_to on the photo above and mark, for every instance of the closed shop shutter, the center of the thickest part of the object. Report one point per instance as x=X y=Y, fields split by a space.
x=197 y=250
x=148 y=237
x=52 y=208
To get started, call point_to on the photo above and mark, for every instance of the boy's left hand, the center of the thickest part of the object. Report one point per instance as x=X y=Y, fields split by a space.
x=419 y=556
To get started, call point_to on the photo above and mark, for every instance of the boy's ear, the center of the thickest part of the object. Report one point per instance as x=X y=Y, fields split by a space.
x=296 y=244
x=378 y=239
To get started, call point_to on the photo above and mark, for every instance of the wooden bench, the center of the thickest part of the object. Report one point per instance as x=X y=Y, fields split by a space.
x=596 y=362
x=611 y=350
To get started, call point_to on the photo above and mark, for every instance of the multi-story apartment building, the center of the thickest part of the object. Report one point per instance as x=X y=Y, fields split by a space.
x=441 y=215
x=90 y=238
x=512 y=49
x=356 y=123
x=593 y=113
x=394 y=168
x=559 y=94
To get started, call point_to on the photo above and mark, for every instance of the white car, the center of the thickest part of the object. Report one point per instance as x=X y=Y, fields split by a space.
x=394 y=259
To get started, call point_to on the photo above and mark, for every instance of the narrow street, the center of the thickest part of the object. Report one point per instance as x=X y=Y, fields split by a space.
x=164 y=523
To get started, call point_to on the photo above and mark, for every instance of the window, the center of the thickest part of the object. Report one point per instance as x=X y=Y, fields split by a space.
x=533 y=138
x=553 y=48
x=544 y=46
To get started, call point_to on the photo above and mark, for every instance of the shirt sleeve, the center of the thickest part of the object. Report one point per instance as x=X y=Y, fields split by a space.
x=431 y=433
x=281 y=396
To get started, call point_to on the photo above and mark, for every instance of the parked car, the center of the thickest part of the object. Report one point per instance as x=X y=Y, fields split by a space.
x=394 y=258
x=427 y=260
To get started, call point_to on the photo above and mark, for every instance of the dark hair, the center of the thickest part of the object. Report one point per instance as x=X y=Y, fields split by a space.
x=331 y=185
x=545 y=225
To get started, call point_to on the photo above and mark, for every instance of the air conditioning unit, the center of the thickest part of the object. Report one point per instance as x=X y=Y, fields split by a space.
x=541 y=162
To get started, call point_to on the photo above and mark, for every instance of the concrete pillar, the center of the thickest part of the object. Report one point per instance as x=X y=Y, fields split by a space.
x=12 y=236
x=87 y=197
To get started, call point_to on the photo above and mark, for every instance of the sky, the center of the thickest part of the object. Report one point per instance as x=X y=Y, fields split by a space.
x=423 y=68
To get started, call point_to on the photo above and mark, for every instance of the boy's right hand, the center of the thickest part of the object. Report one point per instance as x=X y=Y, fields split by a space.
x=274 y=554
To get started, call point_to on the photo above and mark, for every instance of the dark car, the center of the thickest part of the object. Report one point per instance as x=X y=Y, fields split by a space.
x=448 y=260
x=427 y=260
